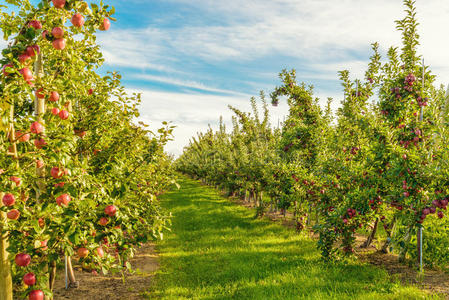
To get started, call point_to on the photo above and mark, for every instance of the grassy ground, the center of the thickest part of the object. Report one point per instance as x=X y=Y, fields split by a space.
x=218 y=251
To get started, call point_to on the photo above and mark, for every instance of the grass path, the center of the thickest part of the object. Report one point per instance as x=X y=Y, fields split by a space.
x=217 y=250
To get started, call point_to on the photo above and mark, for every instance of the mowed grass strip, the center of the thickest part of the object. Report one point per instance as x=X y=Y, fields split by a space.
x=217 y=250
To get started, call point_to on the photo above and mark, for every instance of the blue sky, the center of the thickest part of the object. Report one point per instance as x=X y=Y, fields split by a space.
x=192 y=58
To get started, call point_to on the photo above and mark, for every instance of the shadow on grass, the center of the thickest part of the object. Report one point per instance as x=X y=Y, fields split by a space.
x=218 y=251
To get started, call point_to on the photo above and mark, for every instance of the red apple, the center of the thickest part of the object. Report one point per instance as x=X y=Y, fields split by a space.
x=104 y=221
x=58 y=3
x=82 y=252
x=16 y=180
x=426 y=211
x=13 y=214
x=41 y=222
x=26 y=74
x=105 y=25
x=24 y=58
x=30 y=51
x=8 y=66
x=36 y=294
x=29 y=279
x=81 y=133
x=63 y=114
x=54 y=96
x=22 y=137
x=40 y=143
x=110 y=210
x=56 y=173
x=22 y=259
x=59 y=44
x=55 y=111
x=100 y=251
x=36 y=24
x=44 y=246
x=8 y=199
x=39 y=94
x=440 y=214
x=90 y=92
x=78 y=20
x=36 y=128
x=39 y=164
x=57 y=32
x=64 y=199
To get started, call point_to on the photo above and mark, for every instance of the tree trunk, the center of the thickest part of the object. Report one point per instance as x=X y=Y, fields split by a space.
x=5 y=268
x=370 y=238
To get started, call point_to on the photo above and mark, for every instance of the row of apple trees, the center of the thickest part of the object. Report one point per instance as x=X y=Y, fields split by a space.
x=379 y=162
x=78 y=176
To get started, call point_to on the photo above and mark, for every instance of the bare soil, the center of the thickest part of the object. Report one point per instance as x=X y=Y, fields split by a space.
x=111 y=286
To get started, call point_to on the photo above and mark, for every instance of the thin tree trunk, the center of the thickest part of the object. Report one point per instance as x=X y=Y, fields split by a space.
x=370 y=238
x=5 y=268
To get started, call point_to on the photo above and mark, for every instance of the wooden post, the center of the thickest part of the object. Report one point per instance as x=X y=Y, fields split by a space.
x=5 y=268
x=6 y=291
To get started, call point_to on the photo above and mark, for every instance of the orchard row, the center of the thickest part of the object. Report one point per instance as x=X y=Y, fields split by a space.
x=78 y=176
x=381 y=159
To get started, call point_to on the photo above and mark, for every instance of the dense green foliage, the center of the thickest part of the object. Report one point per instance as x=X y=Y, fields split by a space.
x=89 y=180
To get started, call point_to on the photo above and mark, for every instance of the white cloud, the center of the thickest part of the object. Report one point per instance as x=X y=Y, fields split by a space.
x=186 y=83
x=192 y=113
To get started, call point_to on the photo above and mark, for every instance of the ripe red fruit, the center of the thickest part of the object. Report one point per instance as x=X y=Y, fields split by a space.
x=30 y=51
x=29 y=279
x=432 y=210
x=440 y=214
x=345 y=221
x=55 y=111
x=41 y=222
x=7 y=66
x=26 y=74
x=36 y=295
x=21 y=137
x=82 y=252
x=13 y=214
x=59 y=44
x=56 y=173
x=91 y=91
x=100 y=251
x=22 y=259
x=8 y=199
x=406 y=194
x=39 y=164
x=57 y=32
x=16 y=180
x=58 y=3
x=40 y=143
x=63 y=114
x=77 y=20
x=54 y=97
x=35 y=24
x=426 y=211
x=36 y=128
x=104 y=221
x=64 y=199
x=39 y=94
x=81 y=133
x=44 y=246
x=110 y=210
x=105 y=25
x=24 y=58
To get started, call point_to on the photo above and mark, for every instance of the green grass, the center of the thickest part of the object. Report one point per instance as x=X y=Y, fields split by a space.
x=217 y=250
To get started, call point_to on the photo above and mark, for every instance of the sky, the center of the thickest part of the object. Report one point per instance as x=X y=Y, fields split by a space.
x=190 y=59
